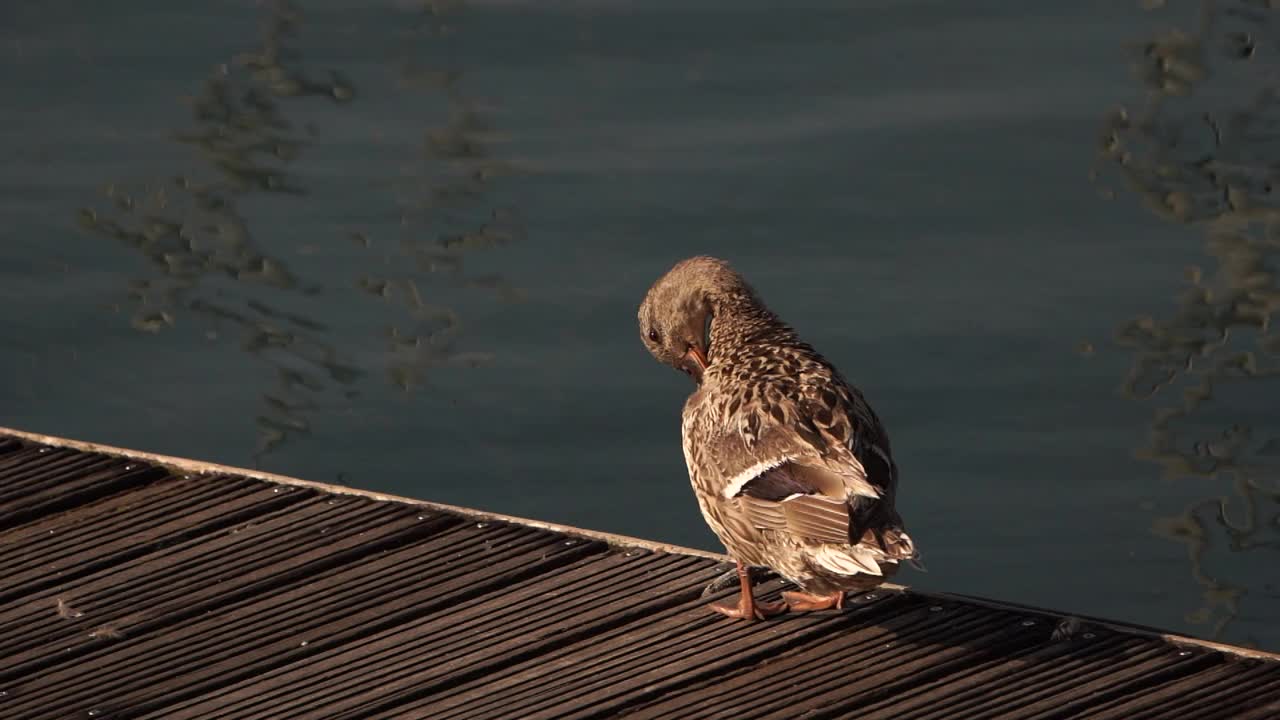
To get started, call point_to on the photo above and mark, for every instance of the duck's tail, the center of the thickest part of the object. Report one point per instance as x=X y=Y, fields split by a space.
x=877 y=553
x=900 y=546
x=895 y=542
x=892 y=539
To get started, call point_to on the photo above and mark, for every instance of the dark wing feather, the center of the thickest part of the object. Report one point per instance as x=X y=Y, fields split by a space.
x=842 y=414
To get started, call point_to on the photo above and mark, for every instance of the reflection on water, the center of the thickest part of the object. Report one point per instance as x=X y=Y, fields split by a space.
x=205 y=260
x=446 y=208
x=1205 y=150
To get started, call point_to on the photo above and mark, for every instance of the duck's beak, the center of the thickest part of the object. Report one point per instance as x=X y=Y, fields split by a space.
x=694 y=362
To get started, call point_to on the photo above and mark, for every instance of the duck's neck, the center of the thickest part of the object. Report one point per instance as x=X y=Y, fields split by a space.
x=739 y=320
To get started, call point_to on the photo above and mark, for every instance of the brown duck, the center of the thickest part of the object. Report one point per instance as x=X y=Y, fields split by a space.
x=790 y=466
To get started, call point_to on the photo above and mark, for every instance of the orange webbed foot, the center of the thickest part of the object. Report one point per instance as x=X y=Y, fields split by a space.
x=750 y=611
x=807 y=602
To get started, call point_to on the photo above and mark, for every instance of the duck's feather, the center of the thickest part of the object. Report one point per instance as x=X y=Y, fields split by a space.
x=811 y=517
x=802 y=453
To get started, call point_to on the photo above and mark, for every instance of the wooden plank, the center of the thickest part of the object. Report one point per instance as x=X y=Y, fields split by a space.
x=134 y=588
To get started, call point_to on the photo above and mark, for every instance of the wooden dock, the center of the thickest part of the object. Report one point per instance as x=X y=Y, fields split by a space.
x=136 y=586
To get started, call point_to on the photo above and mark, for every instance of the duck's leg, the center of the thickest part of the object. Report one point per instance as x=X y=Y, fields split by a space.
x=803 y=601
x=748 y=607
x=730 y=577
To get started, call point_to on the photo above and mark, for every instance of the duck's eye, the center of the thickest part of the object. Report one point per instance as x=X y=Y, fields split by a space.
x=653 y=336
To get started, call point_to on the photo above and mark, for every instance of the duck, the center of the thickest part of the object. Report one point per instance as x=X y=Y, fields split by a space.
x=791 y=468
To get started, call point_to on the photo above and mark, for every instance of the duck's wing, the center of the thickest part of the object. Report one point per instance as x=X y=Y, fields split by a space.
x=814 y=462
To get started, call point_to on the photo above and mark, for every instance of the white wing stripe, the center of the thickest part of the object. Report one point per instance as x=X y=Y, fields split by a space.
x=740 y=480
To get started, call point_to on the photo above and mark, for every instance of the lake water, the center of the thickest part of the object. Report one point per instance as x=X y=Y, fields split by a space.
x=400 y=246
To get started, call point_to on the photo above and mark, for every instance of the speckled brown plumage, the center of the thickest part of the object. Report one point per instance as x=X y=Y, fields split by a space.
x=790 y=466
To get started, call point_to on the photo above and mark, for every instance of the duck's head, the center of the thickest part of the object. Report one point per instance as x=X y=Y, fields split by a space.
x=675 y=317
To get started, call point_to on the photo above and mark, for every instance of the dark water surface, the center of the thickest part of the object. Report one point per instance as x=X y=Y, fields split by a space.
x=400 y=246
